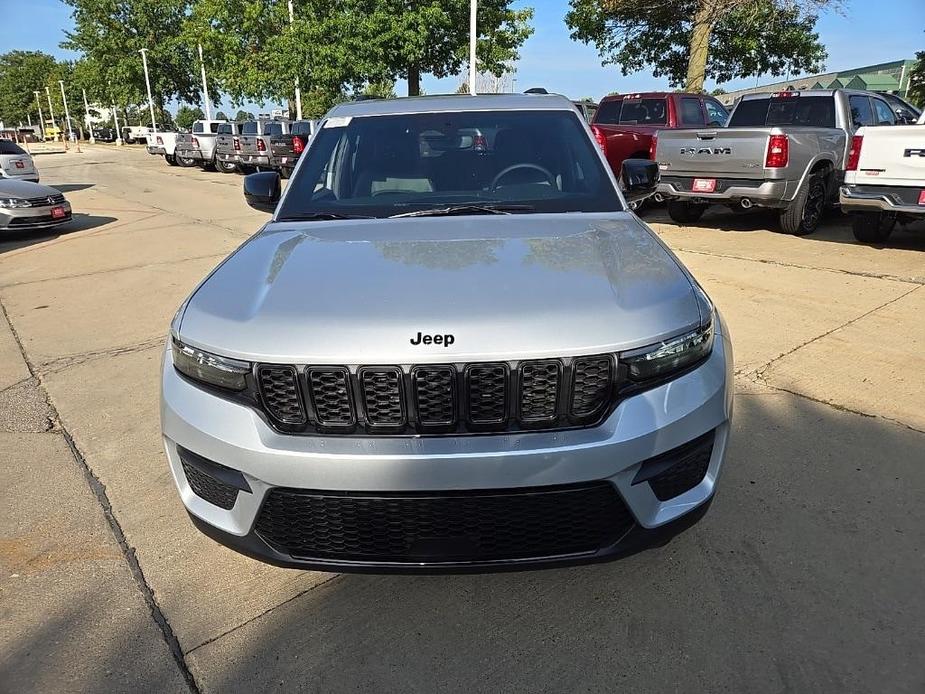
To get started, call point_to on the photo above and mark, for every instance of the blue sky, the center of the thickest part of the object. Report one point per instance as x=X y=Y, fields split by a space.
x=867 y=32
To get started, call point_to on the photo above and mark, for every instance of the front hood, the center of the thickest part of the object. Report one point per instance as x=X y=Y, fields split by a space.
x=25 y=189
x=505 y=287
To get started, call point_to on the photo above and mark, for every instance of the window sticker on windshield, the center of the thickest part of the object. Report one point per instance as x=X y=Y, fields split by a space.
x=338 y=122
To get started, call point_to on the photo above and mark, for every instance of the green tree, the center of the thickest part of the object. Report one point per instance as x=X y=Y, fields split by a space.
x=109 y=34
x=22 y=72
x=187 y=115
x=692 y=40
x=412 y=39
x=242 y=116
x=221 y=116
x=916 y=92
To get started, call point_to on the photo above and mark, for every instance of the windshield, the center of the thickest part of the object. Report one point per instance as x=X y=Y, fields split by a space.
x=632 y=112
x=7 y=147
x=814 y=111
x=380 y=166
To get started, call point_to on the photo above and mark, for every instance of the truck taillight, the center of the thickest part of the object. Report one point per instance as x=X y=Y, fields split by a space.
x=600 y=137
x=261 y=145
x=237 y=144
x=778 y=152
x=297 y=146
x=160 y=140
x=653 y=147
x=194 y=142
x=854 y=154
x=479 y=143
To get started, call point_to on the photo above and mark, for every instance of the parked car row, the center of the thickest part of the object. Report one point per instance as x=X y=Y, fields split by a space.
x=785 y=151
x=229 y=147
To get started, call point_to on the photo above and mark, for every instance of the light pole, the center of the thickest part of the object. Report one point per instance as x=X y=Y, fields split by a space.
x=41 y=117
x=115 y=116
x=144 y=60
x=205 y=87
x=51 y=111
x=473 y=12
x=67 y=117
x=87 y=117
x=298 y=92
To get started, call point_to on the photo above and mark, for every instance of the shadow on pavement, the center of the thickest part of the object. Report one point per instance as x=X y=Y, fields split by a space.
x=805 y=576
x=71 y=187
x=835 y=227
x=11 y=241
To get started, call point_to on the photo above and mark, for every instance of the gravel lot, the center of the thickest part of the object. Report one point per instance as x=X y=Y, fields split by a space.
x=806 y=575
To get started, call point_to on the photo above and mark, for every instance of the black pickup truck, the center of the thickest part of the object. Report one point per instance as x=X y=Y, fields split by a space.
x=288 y=148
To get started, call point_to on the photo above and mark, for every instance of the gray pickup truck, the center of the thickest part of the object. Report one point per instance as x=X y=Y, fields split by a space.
x=784 y=151
x=256 y=145
x=228 y=147
x=198 y=146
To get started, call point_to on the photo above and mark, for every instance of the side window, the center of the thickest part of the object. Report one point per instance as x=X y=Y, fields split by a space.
x=691 y=114
x=715 y=112
x=884 y=112
x=861 y=113
x=213 y=127
x=197 y=127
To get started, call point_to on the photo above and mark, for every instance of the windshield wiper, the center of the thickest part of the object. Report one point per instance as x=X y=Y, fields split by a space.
x=487 y=208
x=309 y=216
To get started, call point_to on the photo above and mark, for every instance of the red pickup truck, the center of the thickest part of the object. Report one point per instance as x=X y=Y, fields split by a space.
x=625 y=125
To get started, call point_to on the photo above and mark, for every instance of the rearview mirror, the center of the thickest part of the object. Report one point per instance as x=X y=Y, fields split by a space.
x=638 y=179
x=262 y=190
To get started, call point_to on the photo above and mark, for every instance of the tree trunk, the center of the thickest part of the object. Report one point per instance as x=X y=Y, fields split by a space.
x=699 y=47
x=414 y=80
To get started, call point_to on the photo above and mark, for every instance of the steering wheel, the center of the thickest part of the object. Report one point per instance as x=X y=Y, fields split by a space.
x=536 y=167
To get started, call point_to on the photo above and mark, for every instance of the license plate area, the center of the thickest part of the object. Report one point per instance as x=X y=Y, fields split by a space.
x=704 y=185
x=58 y=213
x=20 y=164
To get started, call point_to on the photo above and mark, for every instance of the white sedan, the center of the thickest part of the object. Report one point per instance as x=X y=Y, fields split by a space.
x=16 y=163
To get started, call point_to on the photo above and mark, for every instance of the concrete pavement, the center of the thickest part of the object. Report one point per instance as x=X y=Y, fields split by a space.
x=805 y=575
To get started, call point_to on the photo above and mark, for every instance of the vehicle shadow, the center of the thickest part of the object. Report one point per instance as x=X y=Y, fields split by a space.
x=71 y=187
x=803 y=577
x=13 y=240
x=835 y=226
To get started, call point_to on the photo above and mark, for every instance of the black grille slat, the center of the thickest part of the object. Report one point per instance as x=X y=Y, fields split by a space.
x=44 y=200
x=279 y=388
x=446 y=526
x=487 y=393
x=383 y=398
x=329 y=389
x=539 y=390
x=207 y=487
x=435 y=395
x=592 y=378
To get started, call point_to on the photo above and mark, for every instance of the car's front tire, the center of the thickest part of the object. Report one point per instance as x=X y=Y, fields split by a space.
x=873 y=227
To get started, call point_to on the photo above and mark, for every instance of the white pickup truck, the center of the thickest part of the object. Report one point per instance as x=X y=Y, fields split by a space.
x=163 y=144
x=884 y=180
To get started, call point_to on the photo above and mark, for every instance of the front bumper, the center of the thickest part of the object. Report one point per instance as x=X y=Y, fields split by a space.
x=641 y=428
x=903 y=200
x=32 y=218
x=32 y=177
x=763 y=193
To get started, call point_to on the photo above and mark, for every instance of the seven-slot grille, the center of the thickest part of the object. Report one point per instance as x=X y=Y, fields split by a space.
x=439 y=398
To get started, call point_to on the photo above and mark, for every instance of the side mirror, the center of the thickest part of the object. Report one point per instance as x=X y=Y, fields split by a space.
x=262 y=190
x=638 y=179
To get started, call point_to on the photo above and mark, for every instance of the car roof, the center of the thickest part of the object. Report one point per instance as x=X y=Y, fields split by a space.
x=451 y=102
x=807 y=92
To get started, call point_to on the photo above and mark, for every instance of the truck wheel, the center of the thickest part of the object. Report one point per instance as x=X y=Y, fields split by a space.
x=208 y=165
x=184 y=161
x=226 y=166
x=873 y=227
x=170 y=159
x=684 y=212
x=805 y=212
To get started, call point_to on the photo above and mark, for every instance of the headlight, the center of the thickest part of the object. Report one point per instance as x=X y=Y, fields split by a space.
x=676 y=354
x=14 y=202
x=210 y=368
x=670 y=356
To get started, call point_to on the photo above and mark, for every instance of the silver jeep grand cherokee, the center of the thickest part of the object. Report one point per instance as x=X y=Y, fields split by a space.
x=452 y=348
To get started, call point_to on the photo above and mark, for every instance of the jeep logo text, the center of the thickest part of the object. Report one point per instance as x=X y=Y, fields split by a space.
x=421 y=338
